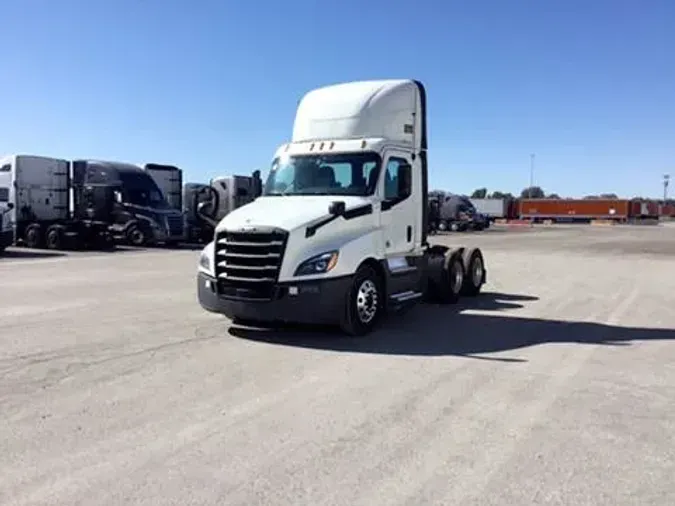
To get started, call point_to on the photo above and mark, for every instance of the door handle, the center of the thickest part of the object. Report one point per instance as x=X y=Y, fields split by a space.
x=409 y=233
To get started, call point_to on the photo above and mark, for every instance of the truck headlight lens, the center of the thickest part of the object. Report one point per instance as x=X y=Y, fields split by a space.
x=319 y=264
x=206 y=258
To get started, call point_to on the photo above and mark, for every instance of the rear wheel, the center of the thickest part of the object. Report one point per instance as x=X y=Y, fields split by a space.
x=33 y=236
x=364 y=304
x=450 y=288
x=54 y=238
x=473 y=281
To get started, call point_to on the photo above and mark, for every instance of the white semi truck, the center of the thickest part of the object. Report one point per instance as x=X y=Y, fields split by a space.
x=339 y=234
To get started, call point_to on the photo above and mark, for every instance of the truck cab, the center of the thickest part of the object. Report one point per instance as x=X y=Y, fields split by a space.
x=44 y=203
x=458 y=213
x=204 y=205
x=141 y=214
x=339 y=234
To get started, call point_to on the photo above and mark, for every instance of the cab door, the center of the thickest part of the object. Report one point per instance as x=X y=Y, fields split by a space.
x=398 y=209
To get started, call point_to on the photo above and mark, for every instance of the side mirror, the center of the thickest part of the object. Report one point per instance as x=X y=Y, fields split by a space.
x=404 y=178
x=257 y=184
x=203 y=213
x=204 y=209
x=10 y=206
x=337 y=208
x=206 y=203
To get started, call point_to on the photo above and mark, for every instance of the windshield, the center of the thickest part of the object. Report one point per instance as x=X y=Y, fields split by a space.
x=140 y=189
x=335 y=174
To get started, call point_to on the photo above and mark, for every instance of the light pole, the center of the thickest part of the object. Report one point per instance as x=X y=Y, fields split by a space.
x=666 y=181
x=529 y=191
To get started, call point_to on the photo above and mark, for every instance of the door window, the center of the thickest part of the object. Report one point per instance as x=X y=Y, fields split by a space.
x=391 y=184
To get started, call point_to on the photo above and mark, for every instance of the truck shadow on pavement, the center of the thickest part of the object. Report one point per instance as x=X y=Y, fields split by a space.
x=435 y=330
x=18 y=253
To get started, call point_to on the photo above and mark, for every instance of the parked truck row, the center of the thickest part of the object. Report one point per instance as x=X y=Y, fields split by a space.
x=60 y=204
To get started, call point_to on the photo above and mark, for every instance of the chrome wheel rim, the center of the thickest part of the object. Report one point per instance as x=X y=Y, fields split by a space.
x=457 y=278
x=477 y=272
x=367 y=301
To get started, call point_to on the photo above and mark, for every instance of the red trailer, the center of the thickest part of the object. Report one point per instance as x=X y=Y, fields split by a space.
x=668 y=210
x=644 y=209
x=571 y=210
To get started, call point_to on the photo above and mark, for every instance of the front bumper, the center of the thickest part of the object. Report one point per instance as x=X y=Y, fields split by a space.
x=316 y=302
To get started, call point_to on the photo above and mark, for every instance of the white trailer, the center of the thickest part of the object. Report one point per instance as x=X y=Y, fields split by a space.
x=492 y=208
x=339 y=234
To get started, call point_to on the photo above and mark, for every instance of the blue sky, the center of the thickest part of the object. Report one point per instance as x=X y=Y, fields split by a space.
x=589 y=86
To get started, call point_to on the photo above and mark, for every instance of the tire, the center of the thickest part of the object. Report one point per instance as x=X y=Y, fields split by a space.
x=454 y=227
x=54 y=238
x=364 y=304
x=33 y=236
x=136 y=236
x=450 y=289
x=473 y=281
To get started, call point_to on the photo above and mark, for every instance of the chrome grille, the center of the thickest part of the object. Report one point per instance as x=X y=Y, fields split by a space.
x=248 y=262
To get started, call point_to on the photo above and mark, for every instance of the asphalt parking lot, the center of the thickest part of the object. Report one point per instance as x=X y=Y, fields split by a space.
x=556 y=386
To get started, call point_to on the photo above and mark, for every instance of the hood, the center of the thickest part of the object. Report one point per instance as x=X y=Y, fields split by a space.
x=288 y=212
x=169 y=211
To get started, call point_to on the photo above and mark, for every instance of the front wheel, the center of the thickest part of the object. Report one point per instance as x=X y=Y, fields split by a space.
x=364 y=304
x=54 y=238
x=136 y=236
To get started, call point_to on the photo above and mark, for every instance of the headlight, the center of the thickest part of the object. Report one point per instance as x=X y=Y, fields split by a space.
x=318 y=265
x=205 y=258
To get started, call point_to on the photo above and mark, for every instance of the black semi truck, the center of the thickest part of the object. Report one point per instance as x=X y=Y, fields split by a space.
x=50 y=202
x=141 y=214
